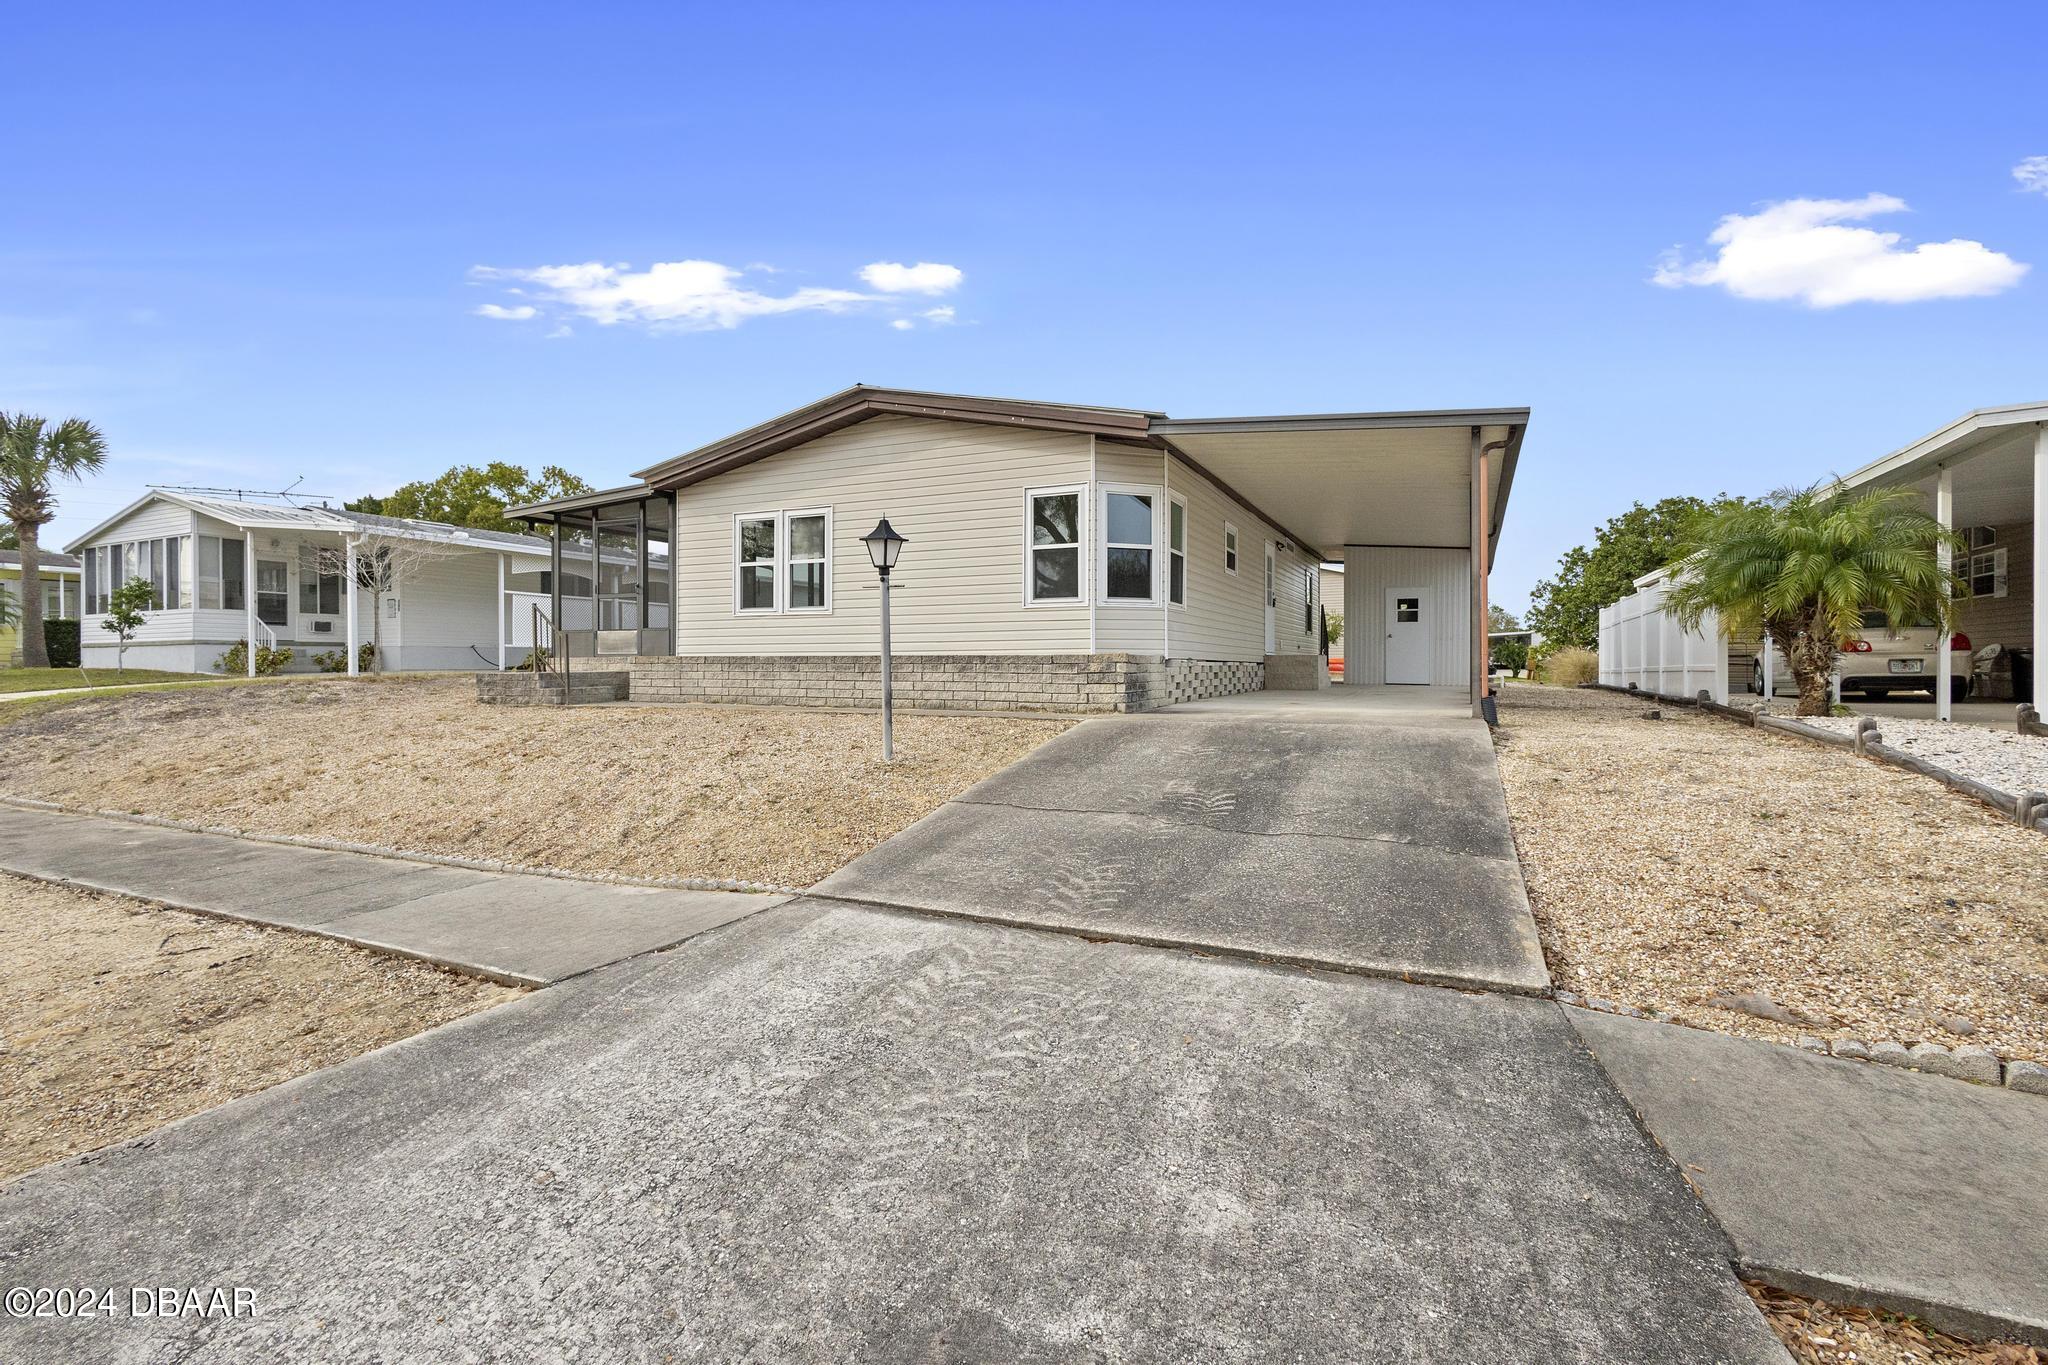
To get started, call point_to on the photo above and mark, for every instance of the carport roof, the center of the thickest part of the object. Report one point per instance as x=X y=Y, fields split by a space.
x=1327 y=480
x=1995 y=447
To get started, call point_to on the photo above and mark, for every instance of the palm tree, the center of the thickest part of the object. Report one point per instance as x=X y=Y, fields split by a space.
x=32 y=454
x=1802 y=566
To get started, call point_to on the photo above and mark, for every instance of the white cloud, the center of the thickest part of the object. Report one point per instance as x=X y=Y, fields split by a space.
x=2032 y=174
x=903 y=324
x=940 y=315
x=1800 y=249
x=925 y=277
x=667 y=296
x=503 y=314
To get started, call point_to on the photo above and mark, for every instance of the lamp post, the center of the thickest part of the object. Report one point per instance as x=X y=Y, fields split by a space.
x=884 y=545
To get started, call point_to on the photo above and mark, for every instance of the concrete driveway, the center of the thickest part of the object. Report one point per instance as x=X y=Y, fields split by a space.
x=1318 y=830
x=832 y=1133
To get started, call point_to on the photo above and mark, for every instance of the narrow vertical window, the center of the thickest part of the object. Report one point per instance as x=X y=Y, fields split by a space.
x=208 y=597
x=234 y=584
x=1176 y=552
x=809 y=561
x=755 y=547
x=1053 y=547
x=1129 y=533
x=91 y=579
x=1308 y=599
x=1229 y=548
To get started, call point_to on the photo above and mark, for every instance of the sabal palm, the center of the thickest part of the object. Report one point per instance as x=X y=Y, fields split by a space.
x=1802 y=566
x=34 y=454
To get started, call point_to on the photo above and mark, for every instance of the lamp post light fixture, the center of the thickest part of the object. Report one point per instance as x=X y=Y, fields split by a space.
x=884 y=545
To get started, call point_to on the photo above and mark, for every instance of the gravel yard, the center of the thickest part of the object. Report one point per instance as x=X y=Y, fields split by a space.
x=2005 y=759
x=1818 y=1333
x=1677 y=861
x=119 y=1017
x=761 y=794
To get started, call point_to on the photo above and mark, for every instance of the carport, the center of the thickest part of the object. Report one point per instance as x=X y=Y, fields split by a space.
x=1411 y=502
x=1986 y=475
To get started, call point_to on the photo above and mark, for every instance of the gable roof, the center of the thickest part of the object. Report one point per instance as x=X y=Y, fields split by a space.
x=279 y=516
x=862 y=401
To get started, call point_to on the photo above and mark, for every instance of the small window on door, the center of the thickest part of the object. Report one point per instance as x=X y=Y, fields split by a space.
x=1407 y=609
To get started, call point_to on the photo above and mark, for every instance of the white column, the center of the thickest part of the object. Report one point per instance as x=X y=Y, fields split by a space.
x=2041 y=567
x=502 y=609
x=349 y=568
x=1945 y=513
x=249 y=597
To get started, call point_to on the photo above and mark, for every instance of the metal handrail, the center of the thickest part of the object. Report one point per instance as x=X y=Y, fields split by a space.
x=545 y=658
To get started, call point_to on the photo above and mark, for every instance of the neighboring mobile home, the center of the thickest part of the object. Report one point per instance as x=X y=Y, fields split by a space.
x=1059 y=556
x=59 y=574
x=224 y=570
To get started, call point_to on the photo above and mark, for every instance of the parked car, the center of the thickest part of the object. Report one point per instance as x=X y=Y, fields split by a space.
x=1880 y=661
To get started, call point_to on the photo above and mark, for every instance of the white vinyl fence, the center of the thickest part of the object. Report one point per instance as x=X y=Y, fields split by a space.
x=1643 y=645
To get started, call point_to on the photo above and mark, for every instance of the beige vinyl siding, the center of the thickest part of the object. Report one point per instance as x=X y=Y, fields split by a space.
x=1224 y=618
x=1443 y=576
x=2006 y=620
x=955 y=489
x=1297 y=585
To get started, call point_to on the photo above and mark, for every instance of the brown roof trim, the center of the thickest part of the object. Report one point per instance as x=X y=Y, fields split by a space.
x=860 y=402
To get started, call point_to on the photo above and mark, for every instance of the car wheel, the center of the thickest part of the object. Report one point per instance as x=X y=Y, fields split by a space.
x=1756 y=679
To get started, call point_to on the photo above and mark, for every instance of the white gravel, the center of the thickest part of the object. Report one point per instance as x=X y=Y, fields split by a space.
x=2005 y=759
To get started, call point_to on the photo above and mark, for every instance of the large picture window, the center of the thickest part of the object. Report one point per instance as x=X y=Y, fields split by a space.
x=1052 y=546
x=782 y=561
x=1130 y=536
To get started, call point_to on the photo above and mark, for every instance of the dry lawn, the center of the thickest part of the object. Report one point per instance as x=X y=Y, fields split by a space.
x=117 y=1017
x=762 y=794
x=1675 y=860
x=1818 y=1333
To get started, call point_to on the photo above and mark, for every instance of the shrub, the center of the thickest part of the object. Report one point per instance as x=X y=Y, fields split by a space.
x=60 y=638
x=268 y=661
x=336 y=660
x=1570 y=667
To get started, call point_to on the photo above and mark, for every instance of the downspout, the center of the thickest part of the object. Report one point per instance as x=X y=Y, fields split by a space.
x=1482 y=526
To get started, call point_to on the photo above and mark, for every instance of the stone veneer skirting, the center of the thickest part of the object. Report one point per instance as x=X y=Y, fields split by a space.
x=941 y=682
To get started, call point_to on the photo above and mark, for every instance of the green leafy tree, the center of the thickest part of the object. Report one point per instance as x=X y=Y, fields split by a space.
x=1512 y=654
x=1803 y=565
x=33 y=455
x=9 y=540
x=125 y=613
x=473 y=497
x=1565 y=608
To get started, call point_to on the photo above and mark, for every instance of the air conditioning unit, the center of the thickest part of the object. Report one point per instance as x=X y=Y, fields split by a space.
x=323 y=627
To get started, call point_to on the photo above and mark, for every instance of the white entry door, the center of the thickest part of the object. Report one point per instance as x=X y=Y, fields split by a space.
x=1272 y=603
x=1408 y=631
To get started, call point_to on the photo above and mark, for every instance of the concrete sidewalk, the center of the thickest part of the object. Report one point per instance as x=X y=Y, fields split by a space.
x=528 y=930
x=829 y=1133
x=1852 y=1182
x=1346 y=837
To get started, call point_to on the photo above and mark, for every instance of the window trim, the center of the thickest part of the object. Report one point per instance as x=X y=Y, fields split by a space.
x=774 y=562
x=784 y=546
x=1993 y=559
x=1187 y=528
x=1104 y=491
x=1232 y=548
x=1081 y=494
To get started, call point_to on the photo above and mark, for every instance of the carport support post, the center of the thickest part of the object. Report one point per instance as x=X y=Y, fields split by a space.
x=2041 y=568
x=1479 y=623
x=1945 y=514
x=503 y=607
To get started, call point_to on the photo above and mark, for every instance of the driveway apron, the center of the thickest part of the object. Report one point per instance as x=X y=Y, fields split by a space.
x=1346 y=838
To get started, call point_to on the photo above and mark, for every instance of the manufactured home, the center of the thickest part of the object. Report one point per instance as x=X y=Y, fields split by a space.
x=1058 y=556
x=223 y=570
x=59 y=576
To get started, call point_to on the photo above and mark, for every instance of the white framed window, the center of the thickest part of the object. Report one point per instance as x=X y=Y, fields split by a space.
x=1130 y=544
x=1984 y=572
x=1229 y=548
x=757 y=548
x=1308 y=599
x=1055 y=530
x=807 y=561
x=782 y=562
x=1176 y=549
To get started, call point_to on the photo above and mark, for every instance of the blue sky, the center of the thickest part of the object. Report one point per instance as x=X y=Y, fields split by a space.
x=245 y=240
